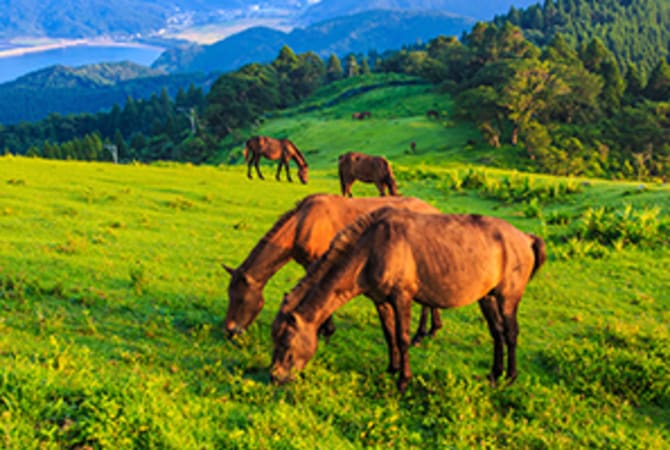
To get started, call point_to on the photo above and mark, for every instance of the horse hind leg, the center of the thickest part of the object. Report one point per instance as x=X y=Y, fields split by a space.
x=421 y=329
x=251 y=162
x=510 y=333
x=494 y=320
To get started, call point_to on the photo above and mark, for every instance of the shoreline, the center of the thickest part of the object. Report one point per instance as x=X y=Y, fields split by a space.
x=65 y=43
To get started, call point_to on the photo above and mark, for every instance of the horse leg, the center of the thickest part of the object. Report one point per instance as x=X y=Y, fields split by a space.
x=421 y=330
x=387 y=317
x=347 y=188
x=489 y=307
x=251 y=162
x=402 y=307
x=380 y=188
x=511 y=331
x=257 y=159
x=436 y=322
x=281 y=162
x=288 y=172
x=327 y=328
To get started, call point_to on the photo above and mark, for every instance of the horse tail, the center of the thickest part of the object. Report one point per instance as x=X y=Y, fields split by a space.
x=246 y=152
x=540 y=252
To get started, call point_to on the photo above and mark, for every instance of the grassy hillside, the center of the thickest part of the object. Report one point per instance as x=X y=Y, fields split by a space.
x=113 y=299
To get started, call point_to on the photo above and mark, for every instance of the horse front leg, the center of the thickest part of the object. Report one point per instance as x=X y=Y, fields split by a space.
x=288 y=172
x=489 y=307
x=402 y=307
x=281 y=162
x=380 y=188
x=387 y=317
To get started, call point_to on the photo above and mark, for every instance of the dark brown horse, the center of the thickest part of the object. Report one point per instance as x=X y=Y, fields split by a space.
x=396 y=256
x=303 y=234
x=361 y=115
x=273 y=149
x=432 y=113
x=354 y=166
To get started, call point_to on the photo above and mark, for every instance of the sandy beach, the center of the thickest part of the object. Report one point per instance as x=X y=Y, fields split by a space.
x=37 y=46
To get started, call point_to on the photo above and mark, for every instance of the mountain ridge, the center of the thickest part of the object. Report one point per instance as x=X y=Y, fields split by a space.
x=358 y=33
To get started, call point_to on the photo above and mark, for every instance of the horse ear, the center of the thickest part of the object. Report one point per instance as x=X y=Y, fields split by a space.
x=228 y=269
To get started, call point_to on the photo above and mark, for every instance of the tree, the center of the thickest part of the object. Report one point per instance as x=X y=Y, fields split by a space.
x=658 y=85
x=334 y=69
x=352 y=68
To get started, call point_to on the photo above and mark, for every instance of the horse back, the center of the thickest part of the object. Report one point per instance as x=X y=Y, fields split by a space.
x=449 y=260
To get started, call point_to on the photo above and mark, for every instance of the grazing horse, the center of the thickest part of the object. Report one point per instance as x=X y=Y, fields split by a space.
x=354 y=166
x=304 y=234
x=396 y=256
x=361 y=115
x=432 y=113
x=273 y=149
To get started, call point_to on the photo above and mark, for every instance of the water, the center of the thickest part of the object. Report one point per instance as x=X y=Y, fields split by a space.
x=12 y=67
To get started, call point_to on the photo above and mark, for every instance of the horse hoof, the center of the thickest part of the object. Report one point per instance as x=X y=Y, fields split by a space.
x=416 y=340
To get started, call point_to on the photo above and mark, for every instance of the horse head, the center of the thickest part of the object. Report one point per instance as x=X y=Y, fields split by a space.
x=302 y=174
x=245 y=301
x=295 y=344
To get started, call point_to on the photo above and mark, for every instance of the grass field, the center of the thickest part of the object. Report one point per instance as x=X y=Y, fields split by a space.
x=113 y=298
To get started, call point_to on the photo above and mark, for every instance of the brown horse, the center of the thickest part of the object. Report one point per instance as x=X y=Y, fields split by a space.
x=361 y=115
x=304 y=234
x=432 y=113
x=273 y=149
x=354 y=166
x=395 y=256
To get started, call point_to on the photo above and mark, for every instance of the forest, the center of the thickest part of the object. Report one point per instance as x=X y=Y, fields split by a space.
x=571 y=102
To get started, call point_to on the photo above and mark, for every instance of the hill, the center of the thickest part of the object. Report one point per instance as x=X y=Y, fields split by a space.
x=358 y=33
x=478 y=9
x=92 y=88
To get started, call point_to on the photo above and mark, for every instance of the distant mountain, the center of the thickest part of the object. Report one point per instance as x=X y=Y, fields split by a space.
x=125 y=18
x=95 y=75
x=371 y=30
x=66 y=90
x=477 y=9
x=130 y=19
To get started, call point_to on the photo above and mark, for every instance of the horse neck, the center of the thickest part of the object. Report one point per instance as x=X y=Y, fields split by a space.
x=297 y=156
x=338 y=286
x=333 y=280
x=273 y=251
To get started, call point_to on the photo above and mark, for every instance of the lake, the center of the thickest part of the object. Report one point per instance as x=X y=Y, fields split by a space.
x=12 y=67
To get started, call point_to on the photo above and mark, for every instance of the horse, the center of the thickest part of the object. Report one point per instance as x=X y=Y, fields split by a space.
x=396 y=256
x=282 y=149
x=304 y=234
x=361 y=115
x=354 y=166
x=432 y=113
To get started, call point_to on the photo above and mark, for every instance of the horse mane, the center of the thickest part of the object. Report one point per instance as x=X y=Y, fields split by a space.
x=300 y=159
x=267 y=237
x=319 y=272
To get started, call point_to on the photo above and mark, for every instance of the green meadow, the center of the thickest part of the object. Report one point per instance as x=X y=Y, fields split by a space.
x=112 y=300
